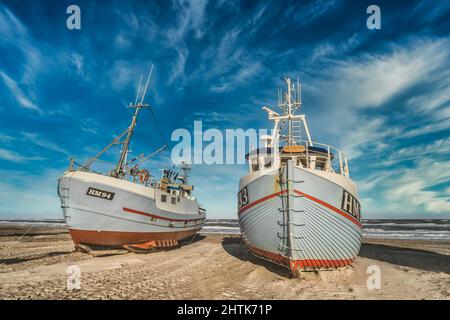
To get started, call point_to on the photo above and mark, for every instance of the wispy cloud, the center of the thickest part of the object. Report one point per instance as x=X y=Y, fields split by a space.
x=327 y=50
x=22 y=196
x=42 y=142
x=9 y=24
x=434 y=149
x=409 y=189
x=435 y=98
x=17 y=93
x=179 y=65
x=5 y=138
x=212 y=117
x=13 y=156
x=366 y=82
x=243 y=74
x=370 y=80
x=15 y=36
x=78 y=61
x=368 y=136
x=426 y=128
x=190 y=16
x=314 y=10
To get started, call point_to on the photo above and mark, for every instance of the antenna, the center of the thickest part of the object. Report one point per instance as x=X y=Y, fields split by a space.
x=146 y=85
x=185 y=167
x=126 y=143
x=299 y=90
x=139 y=89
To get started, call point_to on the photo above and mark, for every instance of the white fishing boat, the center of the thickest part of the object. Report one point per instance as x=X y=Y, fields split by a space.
x=126 y=207
x=298 y=206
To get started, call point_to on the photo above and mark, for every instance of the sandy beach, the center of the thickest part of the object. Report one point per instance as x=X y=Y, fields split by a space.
x=213 y=266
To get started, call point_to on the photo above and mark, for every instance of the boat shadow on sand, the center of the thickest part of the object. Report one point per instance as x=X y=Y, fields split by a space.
x=408 y=257
x=104 y=251
x=192 y=239
x=235 y=247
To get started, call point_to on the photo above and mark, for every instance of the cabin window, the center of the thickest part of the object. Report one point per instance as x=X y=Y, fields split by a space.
x=303 y=162
x=255 y=164
x=173 y=200
x=320 y=163
x=163 y=198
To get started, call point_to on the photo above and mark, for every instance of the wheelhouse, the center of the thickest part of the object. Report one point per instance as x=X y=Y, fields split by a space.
x=286 y=140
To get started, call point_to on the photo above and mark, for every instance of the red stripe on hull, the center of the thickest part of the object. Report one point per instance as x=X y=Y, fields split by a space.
x=159 y=217
x=323 y=203
x=300 y=265
x=119 y=238
x=329 y=206
x=254 y=203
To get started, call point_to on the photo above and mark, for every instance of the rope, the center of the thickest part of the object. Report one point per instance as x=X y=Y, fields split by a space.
x=80 y=165
x=157 y=126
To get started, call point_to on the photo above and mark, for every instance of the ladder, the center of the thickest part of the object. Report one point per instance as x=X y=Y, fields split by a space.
x=289 y=229
x=296 y=131
x=63 y=192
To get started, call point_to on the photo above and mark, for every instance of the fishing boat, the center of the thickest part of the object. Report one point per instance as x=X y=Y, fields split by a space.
x=125 y=206
x=298 y=206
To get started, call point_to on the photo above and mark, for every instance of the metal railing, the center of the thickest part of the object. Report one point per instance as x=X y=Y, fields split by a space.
x=335 y=160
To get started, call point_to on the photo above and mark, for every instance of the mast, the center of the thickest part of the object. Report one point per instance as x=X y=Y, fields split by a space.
x=126 y=144
x=291 y=103
x=289 y=107
x=185 y=168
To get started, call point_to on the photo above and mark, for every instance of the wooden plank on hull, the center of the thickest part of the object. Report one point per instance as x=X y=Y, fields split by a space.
x=98 y=251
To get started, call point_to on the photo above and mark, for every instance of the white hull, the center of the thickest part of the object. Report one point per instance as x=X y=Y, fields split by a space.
x=102 y=210
x=313 y=232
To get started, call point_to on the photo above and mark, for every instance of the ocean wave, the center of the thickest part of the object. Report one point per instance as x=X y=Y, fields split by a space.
x=217 y=229
x=387 y=229
x=430 y=224
x=408 y=236
x=420 y=234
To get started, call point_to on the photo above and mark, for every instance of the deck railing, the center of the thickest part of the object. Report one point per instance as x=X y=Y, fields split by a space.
x=336 y=161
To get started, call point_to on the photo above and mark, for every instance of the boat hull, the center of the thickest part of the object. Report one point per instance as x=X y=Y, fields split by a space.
x=300 y=223
x=105 y=211
x=120 y=238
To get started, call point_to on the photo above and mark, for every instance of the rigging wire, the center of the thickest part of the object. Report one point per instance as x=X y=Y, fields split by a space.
x=143 y=138
x=158 y=127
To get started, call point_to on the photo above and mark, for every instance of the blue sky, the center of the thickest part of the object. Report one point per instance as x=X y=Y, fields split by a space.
x=382 y=96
